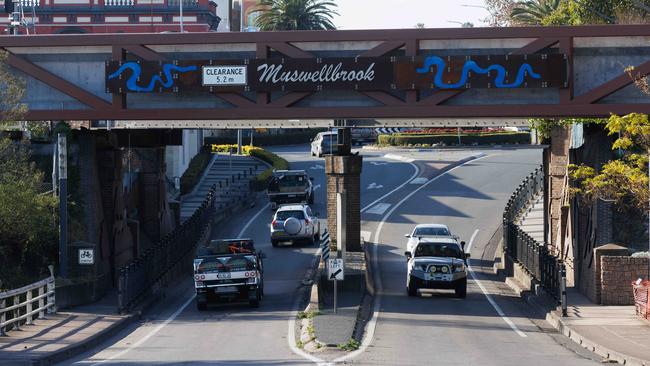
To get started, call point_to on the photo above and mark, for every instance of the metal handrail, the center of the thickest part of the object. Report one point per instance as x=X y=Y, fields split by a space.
x=520 y=246
x=22 y=303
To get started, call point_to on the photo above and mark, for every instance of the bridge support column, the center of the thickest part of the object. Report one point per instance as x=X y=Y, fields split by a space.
x=344 y=175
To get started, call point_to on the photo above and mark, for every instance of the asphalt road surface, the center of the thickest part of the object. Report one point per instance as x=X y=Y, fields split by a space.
x=399 y=190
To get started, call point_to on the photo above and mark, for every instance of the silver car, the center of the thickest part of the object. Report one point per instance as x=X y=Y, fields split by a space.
x=324 y=144
x=294 y=223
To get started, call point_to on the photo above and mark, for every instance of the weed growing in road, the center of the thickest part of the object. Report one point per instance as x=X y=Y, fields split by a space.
x=351 y=345
x=308 y=315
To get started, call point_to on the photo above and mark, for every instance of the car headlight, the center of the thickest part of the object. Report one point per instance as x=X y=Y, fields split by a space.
x=459 y=268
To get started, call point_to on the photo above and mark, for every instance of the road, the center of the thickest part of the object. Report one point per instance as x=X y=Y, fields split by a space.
x=408 y=331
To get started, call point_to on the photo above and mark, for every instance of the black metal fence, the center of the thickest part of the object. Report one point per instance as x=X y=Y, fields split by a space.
x=138 y=277
x=520 y=246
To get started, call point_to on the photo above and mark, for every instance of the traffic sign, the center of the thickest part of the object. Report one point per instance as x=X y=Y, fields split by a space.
x=86 y=256
x=335 y=269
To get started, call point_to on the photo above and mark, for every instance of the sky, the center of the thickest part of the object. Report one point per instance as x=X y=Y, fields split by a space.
x=393 y=14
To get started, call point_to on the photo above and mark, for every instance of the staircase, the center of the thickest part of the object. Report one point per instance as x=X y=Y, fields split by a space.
x=232 y=175
x=532 y=219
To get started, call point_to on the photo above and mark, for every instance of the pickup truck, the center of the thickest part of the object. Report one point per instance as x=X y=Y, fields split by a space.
x=290 y=186
x=228 y=269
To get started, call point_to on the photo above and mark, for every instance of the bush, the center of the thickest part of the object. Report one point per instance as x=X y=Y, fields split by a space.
x=265 y=139
x=276 y=162
x=452 y=139
x=194 y=171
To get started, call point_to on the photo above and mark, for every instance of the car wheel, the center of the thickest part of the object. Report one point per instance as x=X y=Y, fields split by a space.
x=274 y=243
x=412 y=288
x=461 y=289
x=254 y=301
x=201 y=305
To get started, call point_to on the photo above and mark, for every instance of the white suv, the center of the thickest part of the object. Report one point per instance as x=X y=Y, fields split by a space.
x=295 y=223
x=426 y=231
x=437 y=263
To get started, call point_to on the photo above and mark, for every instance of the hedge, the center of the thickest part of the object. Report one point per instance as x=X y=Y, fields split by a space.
x=286 y=138
x=276 y=162
x=194 y=171
x=452 y=139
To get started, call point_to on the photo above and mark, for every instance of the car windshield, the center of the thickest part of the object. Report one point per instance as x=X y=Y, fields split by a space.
x=291 y=181
x=440 y=231
x=438 y=250
x=329 y=140
x=227 y=264
x=283 y=215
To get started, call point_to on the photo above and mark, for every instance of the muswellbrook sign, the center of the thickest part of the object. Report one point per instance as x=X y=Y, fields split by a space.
x=317 y=74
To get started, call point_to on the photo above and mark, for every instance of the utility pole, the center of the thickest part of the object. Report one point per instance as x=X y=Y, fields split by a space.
x=180 y=6
x=63 y=204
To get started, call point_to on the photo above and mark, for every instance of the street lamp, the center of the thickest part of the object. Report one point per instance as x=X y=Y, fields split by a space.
x=462 y=24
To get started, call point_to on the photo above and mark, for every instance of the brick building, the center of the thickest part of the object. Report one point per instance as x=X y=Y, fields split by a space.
x=120 y=16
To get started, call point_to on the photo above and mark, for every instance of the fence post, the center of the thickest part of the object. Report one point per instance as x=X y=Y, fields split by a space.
x=41 y=301
x=51 y=294
x=16 y=312
x=563 y=288
x=3 y=317
x=29 y=307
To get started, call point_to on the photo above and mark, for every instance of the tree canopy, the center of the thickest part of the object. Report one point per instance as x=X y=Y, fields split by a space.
x=276 y=15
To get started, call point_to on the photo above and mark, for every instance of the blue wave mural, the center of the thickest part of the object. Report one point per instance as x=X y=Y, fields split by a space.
x=166 y=81
x=471 y=66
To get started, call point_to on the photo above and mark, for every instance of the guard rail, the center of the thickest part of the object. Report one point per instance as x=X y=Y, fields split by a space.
x=24 y=305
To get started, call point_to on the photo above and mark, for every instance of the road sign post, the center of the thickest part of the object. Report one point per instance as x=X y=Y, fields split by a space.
x=335 y=273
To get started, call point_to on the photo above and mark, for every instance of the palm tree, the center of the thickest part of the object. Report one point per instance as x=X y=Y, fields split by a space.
x=532 y=12
x=295 y=15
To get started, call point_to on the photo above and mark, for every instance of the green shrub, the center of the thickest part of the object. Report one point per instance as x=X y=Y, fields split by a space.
x=195 y=170
x=272 y=159
x=265 y=139
x=452 y=139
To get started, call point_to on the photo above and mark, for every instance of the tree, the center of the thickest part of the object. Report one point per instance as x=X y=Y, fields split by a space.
x=275 y=15
x=500 y=11
x=12 y=91
x=533 y=12
x=625 y=180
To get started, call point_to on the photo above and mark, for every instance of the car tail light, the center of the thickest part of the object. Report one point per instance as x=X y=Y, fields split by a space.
x=307 y=221
x=273 y=223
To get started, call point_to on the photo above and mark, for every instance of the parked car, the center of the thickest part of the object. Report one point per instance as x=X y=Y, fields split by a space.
x=228 y=269
x=361 y=135
x=426 y=231
x=294 y=223
x=437 y=263
x=290 y=186
x=324 y=144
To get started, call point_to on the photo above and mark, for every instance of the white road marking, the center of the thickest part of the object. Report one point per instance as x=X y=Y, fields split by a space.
x=377 y=163
x=399 y=158
x=151 y=334
x=243 y=230
x=316 y=187
x=415 y=174
x=318 y=167
x=372 y=324
x=419 y=180
x=374 y=185
x=365 y=236
x=379 y=209
x=489 y=298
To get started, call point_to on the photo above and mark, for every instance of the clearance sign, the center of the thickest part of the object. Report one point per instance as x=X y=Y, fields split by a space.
x=318 y=74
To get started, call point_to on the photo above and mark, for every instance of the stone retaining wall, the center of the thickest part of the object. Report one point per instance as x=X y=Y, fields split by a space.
x=616 y=275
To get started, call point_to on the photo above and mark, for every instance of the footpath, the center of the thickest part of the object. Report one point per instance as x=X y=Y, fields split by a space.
x=66 y=334
x=614 y=333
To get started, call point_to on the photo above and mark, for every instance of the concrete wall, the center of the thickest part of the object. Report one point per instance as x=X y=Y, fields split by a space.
x=177 y=158
x=344 y=174
x=616 y=275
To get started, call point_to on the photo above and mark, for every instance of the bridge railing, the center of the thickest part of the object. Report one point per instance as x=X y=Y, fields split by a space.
x=137 y=278
x=25 y=304
x=520 y=246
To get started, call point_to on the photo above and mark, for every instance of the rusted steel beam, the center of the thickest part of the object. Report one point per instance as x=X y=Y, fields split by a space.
x=324 y=36
x=383 y=97
x=382 y=49
x=613 y=85
x=57 y=82
x=289 y=50
x=145 y=53
x=289 y=99
x=566 y=47
x=405 y=111
x=235 y=99
x=119 y=99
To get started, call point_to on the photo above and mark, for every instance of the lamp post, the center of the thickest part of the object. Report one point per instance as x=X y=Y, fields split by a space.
x=180 y=7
